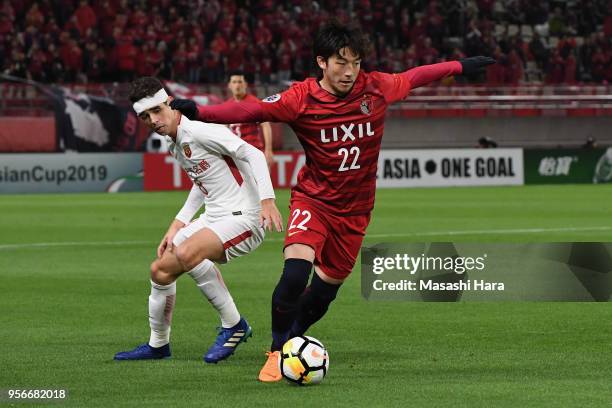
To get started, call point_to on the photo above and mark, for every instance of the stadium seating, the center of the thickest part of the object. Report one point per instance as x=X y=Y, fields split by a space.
x=112 y=40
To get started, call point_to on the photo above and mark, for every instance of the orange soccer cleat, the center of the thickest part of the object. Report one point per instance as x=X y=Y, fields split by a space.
x=270 y=372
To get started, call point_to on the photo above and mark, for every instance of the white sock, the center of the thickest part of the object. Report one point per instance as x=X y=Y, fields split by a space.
x=161 y=305
x=209 y=280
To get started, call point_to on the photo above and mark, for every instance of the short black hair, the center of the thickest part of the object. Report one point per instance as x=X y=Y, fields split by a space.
x=334 y=36
x=243 y=74
x=143 y=87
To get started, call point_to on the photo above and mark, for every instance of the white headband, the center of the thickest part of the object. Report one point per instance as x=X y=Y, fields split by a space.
x=150 y=101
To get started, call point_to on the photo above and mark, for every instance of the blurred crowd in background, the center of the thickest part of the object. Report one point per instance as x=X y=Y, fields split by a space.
x=82 y=41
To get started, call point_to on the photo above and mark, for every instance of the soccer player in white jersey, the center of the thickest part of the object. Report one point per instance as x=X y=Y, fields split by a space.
x=231 y=179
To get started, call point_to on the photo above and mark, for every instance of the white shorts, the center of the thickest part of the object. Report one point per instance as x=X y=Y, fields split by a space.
x=240 y=234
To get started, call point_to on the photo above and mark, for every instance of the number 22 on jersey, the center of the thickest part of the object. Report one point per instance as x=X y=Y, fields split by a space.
x=351 y=156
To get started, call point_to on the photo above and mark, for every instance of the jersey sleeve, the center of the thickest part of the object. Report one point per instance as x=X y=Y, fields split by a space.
x=230 y=112
x=282 y=107
x=218 y=139
x=195 y=201
x=395 y=87
x=257 y=161
x=426 y=74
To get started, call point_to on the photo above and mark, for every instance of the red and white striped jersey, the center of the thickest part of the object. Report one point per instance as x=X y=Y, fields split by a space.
x=341 y=137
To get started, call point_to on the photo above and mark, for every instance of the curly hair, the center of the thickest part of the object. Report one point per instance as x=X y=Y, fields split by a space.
x=143 y=87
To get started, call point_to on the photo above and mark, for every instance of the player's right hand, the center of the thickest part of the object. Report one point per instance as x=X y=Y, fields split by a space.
x=186 y=106
x=165 y=244
x=166 y=241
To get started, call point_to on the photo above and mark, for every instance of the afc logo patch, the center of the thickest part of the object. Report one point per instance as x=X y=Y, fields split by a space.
x=187 y=150
x=366 y=106
x=272 y=98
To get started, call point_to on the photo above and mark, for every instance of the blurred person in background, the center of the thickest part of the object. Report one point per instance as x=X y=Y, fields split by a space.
x=249 y=132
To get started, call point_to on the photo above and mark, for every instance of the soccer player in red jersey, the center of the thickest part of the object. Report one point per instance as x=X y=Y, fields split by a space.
x=250 y=132
x=339 y=120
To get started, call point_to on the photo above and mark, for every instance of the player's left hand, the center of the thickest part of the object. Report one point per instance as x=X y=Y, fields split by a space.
x=270 y=216
x=186 y=106
x=475 y=65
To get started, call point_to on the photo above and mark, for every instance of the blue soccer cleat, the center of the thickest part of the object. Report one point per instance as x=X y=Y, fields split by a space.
x=227 y=341
x=145 y=352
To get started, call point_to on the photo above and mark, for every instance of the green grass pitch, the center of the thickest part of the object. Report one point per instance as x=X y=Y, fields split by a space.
x=74 y=273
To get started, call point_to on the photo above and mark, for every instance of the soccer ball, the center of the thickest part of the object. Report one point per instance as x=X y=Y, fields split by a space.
x=304 y=360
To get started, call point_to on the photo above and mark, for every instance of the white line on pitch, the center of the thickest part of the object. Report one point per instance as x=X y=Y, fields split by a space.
x=478 y=232
x=491 y=231
x=401 y=234
x=71 y=244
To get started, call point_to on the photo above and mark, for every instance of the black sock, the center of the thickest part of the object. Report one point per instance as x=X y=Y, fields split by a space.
x=314 y=303
x=286 y=297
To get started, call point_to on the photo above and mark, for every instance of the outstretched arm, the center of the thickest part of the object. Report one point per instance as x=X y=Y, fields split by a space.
x=226 y=113
x=426 y=74
x=229 y=112
x=398 y=86
x=283 y=107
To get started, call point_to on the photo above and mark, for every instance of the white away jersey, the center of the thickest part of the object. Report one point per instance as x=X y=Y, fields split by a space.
x=207 y=152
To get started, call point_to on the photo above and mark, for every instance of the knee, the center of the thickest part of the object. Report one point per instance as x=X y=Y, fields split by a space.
x=300 y=251
x=158 y=275
x=155 y=270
